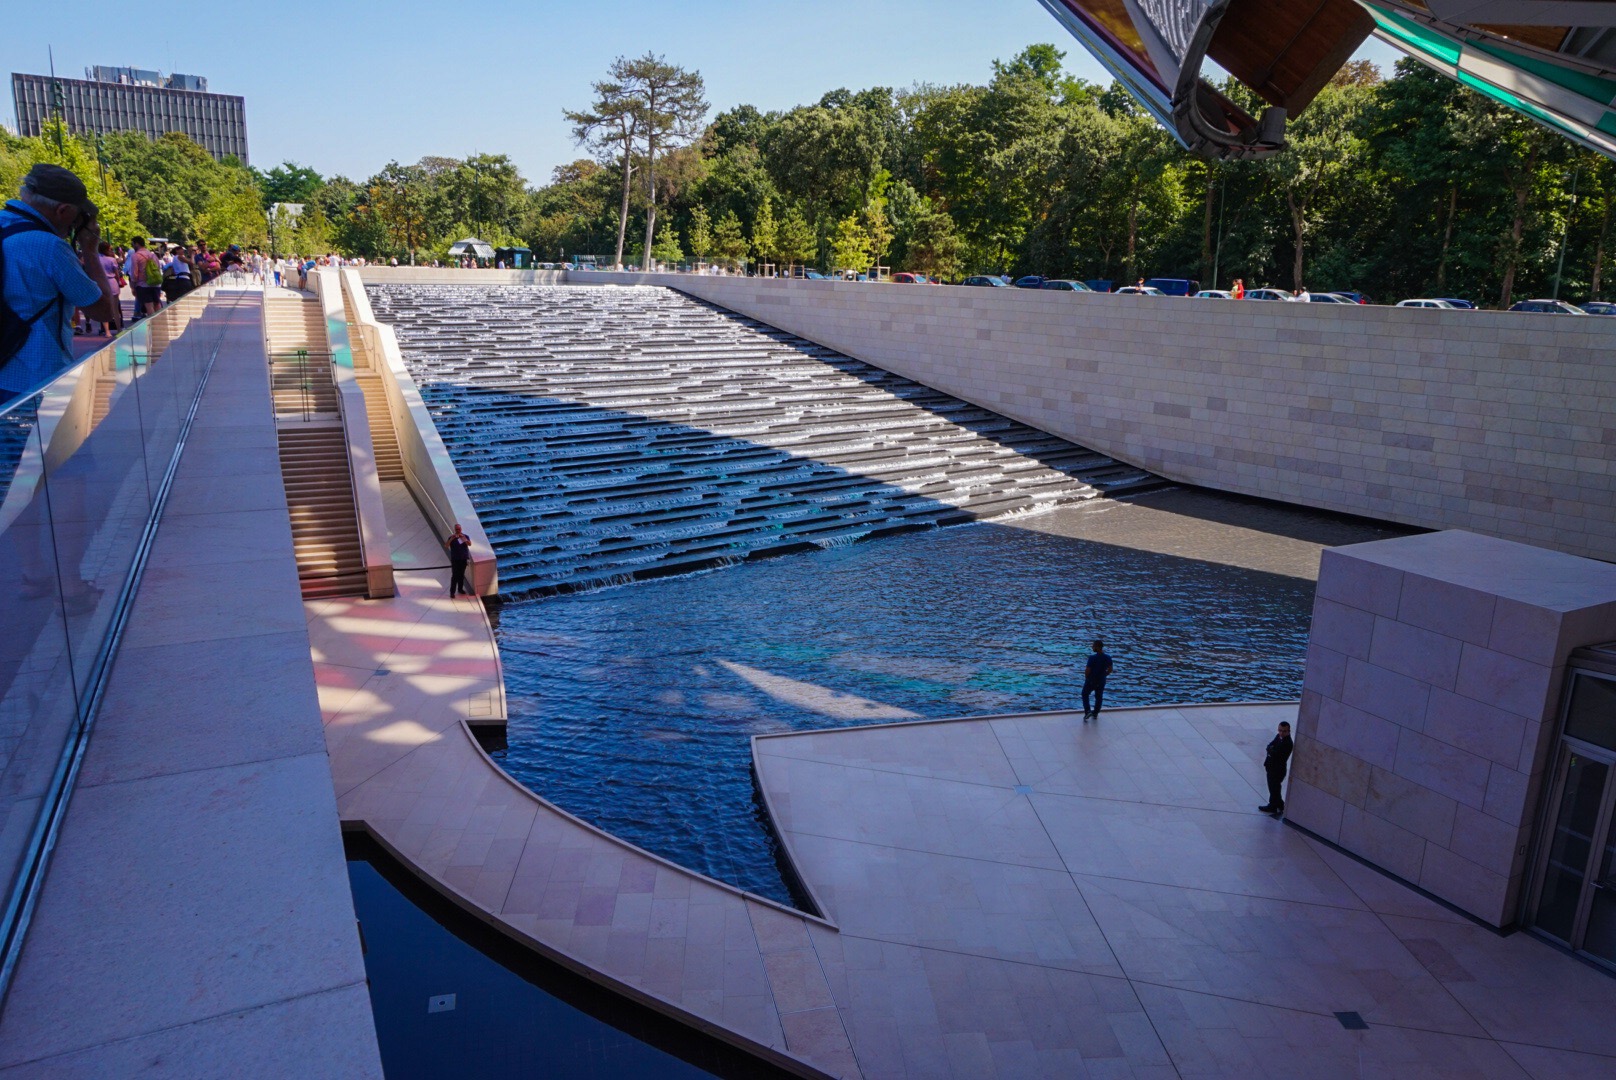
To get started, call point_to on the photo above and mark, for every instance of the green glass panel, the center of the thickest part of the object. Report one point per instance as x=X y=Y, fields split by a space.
x=1589 y=86
x=1420 y=37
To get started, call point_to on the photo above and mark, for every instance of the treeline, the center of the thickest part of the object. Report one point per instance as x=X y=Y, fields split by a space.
x=1401 y=186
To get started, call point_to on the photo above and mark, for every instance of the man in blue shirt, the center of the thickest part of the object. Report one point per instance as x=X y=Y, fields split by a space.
x=46 y=279
x=1095 y=673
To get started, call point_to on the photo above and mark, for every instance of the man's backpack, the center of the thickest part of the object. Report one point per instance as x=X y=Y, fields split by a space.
x=154 y=271
x=14 y=327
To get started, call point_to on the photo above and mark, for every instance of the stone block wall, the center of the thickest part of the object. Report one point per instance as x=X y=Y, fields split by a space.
x=1496 y=422
x=1430 y=705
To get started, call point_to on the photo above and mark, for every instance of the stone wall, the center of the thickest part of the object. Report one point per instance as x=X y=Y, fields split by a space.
x=1430 y=705
x=1495 y=422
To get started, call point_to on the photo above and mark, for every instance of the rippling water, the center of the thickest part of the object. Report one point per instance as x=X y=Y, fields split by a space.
x=631 y=707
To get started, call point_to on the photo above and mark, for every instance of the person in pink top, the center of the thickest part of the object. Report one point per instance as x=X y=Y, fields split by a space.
x=114 y=272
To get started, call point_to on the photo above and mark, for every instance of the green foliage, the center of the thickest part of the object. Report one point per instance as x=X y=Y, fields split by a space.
x=57 y=146
x=766 y=233
x=1408 y=185
x=287 y=182
x=850 y=244
x=700 y=233
x=729 y=242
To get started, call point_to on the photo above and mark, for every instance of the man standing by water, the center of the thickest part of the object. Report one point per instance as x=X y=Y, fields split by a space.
x=1274 y=764
x=46 y=278
x=1094 y=676
x=459 y=545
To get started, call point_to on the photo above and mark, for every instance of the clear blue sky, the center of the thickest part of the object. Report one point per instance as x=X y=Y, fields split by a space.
x=346 y=87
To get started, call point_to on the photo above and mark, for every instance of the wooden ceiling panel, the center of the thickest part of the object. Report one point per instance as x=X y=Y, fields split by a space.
x=1287 y=50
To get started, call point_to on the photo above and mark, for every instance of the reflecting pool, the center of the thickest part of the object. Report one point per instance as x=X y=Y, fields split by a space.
x=632 y=707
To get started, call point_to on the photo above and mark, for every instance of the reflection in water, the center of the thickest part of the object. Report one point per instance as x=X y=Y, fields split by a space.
x=632 y=707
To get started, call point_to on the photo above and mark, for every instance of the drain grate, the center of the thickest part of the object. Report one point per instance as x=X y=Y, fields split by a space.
x=1352 y=1021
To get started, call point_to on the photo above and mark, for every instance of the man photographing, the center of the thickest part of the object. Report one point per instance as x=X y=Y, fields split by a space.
x=43 y=278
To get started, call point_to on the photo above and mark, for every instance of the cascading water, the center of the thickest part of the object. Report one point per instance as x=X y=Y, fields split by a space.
x=606 y=433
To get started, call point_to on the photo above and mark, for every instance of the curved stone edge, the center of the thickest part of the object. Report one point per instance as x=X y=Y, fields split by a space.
x=780 y=935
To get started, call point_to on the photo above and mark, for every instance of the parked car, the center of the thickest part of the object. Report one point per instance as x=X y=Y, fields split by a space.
x=1548 y=307
x=1267 y=294
x=986 y=281
x=814 y=275
x=1058 y=285
x=908 y=279
x=1099 y=284
x=1425 y=304
x=1214 y=294
x=1174 y=286
x=1355 y=297
x=1455 y=302
x=1329 y=298
x=1140 y=290
x=1031 y=281
x=1599 y=307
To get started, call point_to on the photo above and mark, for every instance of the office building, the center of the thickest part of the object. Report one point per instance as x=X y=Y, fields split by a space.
x=134 y=99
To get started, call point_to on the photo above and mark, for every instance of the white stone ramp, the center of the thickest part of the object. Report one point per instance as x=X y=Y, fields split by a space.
x=1032 y=896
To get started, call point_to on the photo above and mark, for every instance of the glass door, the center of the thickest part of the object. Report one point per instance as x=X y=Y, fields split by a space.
x=1578 y=812
x=1575 y=900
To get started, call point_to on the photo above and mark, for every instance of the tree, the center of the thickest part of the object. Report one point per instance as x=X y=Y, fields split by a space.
x=1321 y=165
x=667 y=250
x=850 y=245
x=766 y=233
x=311 y=231
x=57 y=146
x=287 y=182
x=611 y=128
x=795 y=239
x=700 y=233
x=670 y=105
x=729 y=243
x=398 y=197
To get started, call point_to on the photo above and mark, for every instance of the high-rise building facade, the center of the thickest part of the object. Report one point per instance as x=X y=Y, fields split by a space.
x=134 y=99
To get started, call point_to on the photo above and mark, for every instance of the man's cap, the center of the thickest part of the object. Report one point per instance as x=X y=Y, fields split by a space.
x=55 y=182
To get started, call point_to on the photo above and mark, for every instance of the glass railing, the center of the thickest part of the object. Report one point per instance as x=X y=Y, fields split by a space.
x=84 y=468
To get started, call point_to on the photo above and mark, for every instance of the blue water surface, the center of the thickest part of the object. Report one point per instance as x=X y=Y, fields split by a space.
x=632 y=707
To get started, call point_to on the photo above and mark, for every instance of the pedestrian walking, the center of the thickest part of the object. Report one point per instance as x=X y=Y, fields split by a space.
x=1239 y=290
x=1094 y=676
x=459 y=545
x=1274 y=764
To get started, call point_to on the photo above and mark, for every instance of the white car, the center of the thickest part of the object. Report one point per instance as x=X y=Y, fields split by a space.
x=1140 y=290
x=1426 y=304
x=1214 y=294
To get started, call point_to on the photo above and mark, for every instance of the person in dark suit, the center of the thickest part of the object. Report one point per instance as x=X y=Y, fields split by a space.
x=1274 y=764
x=459 y=545
x=1094 y=676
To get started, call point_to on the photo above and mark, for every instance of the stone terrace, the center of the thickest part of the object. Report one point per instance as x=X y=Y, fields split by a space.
x=1029 y=896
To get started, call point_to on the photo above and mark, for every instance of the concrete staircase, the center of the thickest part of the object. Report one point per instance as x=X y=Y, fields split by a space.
x=383 y=439
x=611 y=434
x=313 y=451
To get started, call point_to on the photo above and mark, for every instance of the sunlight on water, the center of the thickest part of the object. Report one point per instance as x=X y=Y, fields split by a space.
x=632 y=707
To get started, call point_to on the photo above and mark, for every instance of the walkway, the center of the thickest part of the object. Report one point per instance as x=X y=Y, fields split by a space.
x=399 y=680
x=196 y=918
x=1030 y=896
